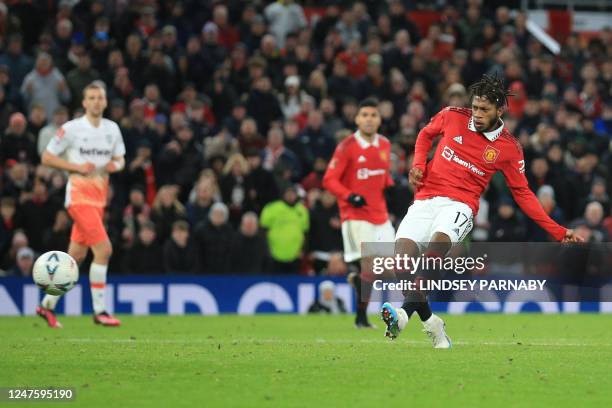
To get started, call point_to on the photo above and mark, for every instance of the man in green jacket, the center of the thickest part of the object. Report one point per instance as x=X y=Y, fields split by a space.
x=287 y=222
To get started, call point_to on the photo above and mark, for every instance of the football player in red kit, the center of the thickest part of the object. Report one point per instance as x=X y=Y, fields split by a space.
x=358 y=175
x=474 y=145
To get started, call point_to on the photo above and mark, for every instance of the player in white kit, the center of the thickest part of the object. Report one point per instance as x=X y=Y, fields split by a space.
x=93 y=148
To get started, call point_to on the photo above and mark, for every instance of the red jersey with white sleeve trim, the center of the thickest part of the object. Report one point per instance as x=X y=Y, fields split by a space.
x=465 y=160
x=361 y=168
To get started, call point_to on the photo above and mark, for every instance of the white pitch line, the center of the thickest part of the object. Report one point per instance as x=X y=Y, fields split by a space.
x=325 y=341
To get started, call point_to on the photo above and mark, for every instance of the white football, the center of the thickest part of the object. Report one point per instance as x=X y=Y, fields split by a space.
x=55 y=272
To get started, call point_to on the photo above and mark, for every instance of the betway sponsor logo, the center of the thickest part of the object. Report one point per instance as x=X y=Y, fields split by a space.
x=363 y=174
x=94 y=152
x=449 y=154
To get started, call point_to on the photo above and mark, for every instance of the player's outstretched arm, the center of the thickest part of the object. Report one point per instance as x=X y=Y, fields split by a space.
x=51 y=160
x=514 y=172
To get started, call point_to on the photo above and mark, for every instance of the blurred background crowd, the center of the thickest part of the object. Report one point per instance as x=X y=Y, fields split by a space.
x=231 y=110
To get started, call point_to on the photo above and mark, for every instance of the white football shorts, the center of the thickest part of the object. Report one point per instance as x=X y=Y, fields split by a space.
x=355 y=232
x=437 y=214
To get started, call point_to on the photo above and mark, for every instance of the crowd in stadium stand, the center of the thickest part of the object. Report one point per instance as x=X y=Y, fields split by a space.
x=230 y=111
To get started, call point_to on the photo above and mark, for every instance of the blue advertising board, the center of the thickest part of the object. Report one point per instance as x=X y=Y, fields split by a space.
x=212 y=295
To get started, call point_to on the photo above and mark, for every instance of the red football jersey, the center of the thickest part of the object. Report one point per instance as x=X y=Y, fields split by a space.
x=465 y=161
x=362 y=168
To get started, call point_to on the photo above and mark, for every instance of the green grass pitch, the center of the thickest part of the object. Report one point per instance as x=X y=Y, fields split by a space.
x=526 y=360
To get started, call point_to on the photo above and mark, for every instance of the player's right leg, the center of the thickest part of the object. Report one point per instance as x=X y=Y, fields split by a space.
x=46 y=309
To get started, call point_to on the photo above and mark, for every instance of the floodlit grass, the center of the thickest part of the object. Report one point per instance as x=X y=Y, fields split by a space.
x=287 y=360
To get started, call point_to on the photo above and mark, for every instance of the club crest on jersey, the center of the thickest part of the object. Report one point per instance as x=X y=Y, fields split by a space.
x=490 y=154
x=383 y=156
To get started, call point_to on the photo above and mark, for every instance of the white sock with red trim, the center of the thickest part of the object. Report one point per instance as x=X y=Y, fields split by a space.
x=97 y=281
x=50 y=301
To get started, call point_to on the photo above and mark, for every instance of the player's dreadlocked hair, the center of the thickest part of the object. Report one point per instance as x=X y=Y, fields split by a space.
x=492 y=88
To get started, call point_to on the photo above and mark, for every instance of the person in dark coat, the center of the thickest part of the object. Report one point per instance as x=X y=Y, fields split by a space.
x=145 y=256
x=179 y=252
x=249 y=254
x=213 y=240
x=506 y=225
x=57 y=237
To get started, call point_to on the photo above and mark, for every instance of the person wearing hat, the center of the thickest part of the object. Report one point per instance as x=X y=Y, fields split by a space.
x=23 y=263
x=507 y=225
x=286 y=222
x=293 y=96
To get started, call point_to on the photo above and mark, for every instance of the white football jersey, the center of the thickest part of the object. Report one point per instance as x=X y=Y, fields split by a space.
x=81 y=142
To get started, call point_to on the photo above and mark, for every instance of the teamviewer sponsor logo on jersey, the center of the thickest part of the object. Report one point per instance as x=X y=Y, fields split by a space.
x=363 y=174
x=449 y=154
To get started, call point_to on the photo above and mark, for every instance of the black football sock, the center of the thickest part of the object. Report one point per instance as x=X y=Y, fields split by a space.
x=363 y=300
x=417 y=302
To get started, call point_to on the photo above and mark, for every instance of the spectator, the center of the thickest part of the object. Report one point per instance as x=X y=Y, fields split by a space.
x=291 y=99
x=17 y=143
x=213 y=239
x=45 y=85
x=167 y=209
x=146 y=255
x=325 y=236
x=199 y=208
x=506 y=225
x=135 y=214
x=249 y=138
x=286 y=222
x=264 y=188
x=179 y=253
x=262 y=105
x=37 y=119
x=327 y=301
x=23 y=263
x=79 y=77
x=7 y=224
x=249 y=254
x=546 y=197
x=180 y=160
x=593 y=219
x=57 y=237
x=276 y=156
x=60 y=116
x=18 y=63
x=37 y=213
x=235 y=186
x=20 y=240
x=285 y=17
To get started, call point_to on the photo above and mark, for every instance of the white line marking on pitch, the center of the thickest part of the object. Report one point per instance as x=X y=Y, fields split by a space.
x=325 y=341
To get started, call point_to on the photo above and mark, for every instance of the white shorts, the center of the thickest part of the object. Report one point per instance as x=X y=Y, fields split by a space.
x=438 y=214
x=355 y=232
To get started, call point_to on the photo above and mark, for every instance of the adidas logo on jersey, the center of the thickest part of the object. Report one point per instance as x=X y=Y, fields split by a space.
x=361 y=159
x=458 y=139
